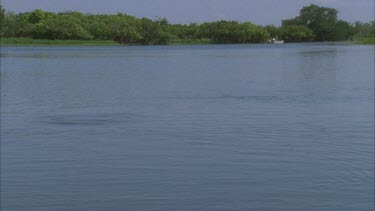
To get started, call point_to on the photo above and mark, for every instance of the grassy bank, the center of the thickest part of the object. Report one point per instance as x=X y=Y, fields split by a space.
x=366 y=41
x=189 y=41
x=42 y=42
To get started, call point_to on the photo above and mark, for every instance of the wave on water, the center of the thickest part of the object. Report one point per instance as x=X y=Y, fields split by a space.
x=89 y=119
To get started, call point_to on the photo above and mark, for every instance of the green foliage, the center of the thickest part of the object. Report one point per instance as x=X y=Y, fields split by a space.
x=292 y=22
x=152 y=33
x=11 y=25
x=295 y=33
x=184 y=31
x=367 y=41
x=125 y=29
x=323 y=23
x=314 y=23
x=233 y=32
x=24 y=27
x=272 y=30
x=321 y=20
x=2 y=17
x=364 y=29
x=343 y=31
x=61 y=27
x=36 y=16
x=120 y=28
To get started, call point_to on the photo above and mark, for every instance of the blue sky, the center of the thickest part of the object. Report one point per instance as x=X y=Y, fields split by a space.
x=185 y=11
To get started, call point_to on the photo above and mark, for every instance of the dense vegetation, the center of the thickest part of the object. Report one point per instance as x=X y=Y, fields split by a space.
x=314 y=23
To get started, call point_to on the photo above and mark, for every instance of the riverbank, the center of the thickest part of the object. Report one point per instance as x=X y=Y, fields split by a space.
x=366 y=41
x=45 y=42
x=190 y=42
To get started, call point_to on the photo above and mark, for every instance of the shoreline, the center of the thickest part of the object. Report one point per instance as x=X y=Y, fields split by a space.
x=43 y=42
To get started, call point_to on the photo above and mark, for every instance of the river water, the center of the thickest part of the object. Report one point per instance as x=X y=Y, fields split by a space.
x=215 y=127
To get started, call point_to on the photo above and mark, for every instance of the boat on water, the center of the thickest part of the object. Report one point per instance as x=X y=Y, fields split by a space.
x=276 y=41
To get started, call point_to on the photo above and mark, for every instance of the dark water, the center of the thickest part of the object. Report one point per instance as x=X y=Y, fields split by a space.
x=229 y=127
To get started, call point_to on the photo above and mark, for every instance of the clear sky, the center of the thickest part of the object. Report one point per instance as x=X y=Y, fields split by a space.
x=185 y=11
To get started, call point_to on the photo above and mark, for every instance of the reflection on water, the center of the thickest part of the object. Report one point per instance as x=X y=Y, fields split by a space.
x=215 y=127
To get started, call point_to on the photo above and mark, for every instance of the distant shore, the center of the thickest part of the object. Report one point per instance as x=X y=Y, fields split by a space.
x=313 y=24
x=366 y=41
x=45 y=42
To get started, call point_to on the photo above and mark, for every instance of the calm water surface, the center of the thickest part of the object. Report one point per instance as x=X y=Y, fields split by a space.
x=219 y=127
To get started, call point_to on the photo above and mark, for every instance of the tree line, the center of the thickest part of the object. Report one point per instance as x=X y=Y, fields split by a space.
x=314 y=23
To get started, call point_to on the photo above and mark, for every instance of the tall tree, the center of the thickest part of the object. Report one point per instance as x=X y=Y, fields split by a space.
x=2 y=17
x=321 y=20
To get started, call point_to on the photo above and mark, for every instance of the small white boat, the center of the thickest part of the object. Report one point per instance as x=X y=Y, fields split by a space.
x=277 y=41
